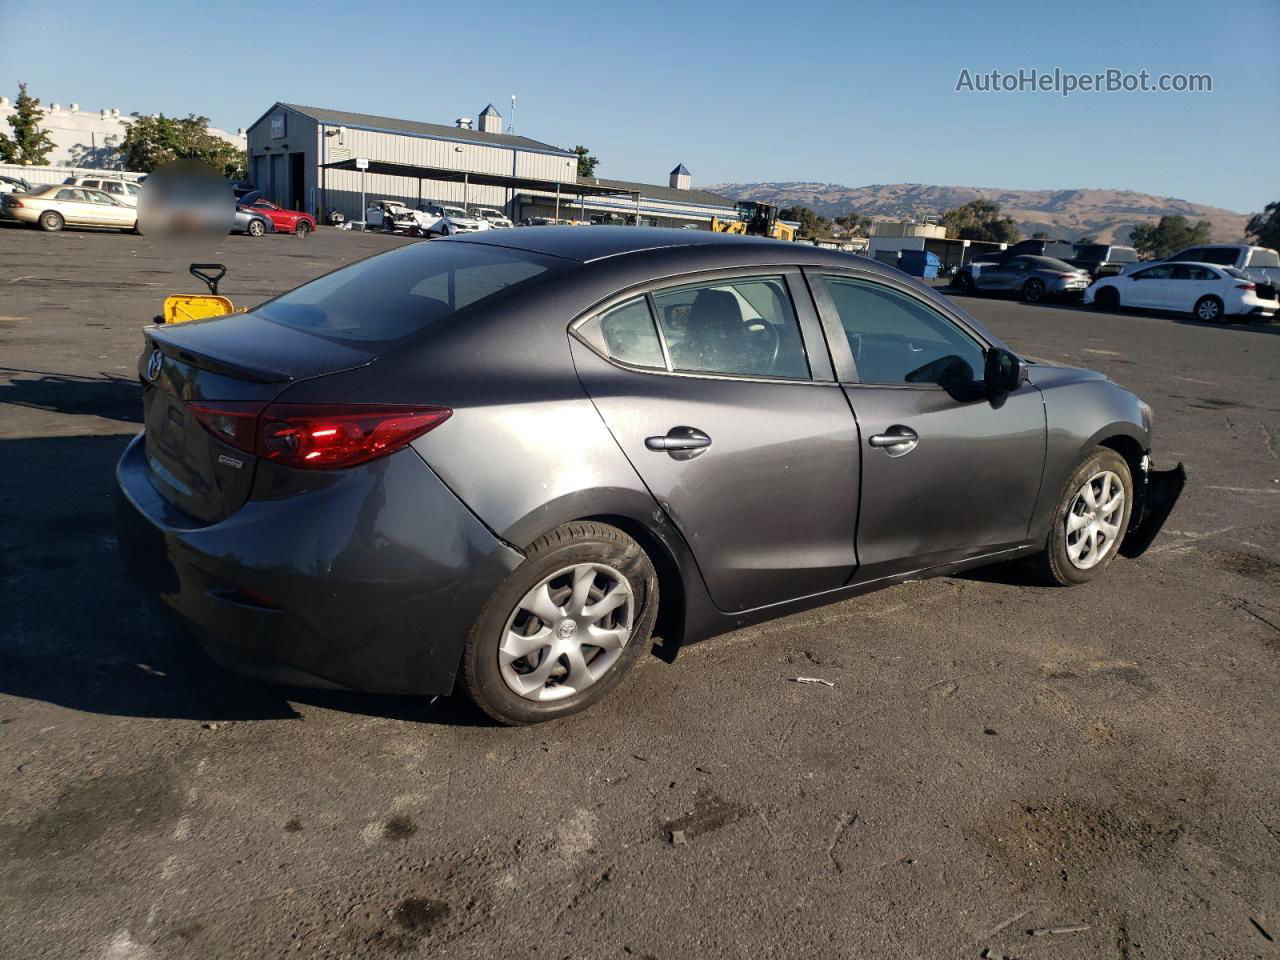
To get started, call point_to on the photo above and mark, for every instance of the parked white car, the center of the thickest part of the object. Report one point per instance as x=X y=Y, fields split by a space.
x=53 y=207
x=459 y=221
x=495 y=218
x=118 y=188
x=1207 y=291
x=1261 y=263
x=394 y=215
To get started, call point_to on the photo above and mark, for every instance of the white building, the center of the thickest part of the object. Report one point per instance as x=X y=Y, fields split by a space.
x=88 y=138
x=319 y=160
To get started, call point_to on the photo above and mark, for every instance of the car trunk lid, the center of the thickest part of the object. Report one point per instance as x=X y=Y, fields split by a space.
x=241 y=362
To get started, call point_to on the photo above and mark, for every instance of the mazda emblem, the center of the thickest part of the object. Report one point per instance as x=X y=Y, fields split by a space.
x=154 y=363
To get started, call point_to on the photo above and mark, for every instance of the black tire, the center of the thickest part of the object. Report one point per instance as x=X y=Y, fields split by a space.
x=573 y=543
x=255 y=228
x=1053 y=564
x=964 y=283
x=1108 y=298
x=303 y=228
x=1208 y=310
x=51 y=221
x=1033 y=290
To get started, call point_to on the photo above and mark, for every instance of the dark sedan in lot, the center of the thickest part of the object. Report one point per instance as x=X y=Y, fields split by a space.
x=507 y=460
x=1033 y=278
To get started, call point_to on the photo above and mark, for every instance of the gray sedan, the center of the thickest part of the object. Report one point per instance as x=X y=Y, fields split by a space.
x=503 y=462
x=1034 y=278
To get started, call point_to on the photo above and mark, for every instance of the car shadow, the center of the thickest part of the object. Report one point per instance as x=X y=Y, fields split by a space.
x=1011 y=573
x=110 y=396
x=78 y=633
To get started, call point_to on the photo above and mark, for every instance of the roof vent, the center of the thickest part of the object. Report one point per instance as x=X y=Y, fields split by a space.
x=75 y=108
x=490 y=120
x=681 y=179
x=464 y=123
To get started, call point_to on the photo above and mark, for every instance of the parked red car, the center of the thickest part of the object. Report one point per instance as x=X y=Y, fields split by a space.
x=285 y=221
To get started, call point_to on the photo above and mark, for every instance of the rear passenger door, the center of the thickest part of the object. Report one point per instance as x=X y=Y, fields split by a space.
x=948 y=472
x=721 y=394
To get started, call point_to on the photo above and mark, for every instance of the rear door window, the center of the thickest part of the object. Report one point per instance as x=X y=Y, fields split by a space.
x=398 y=294
x=744 y=327
x=626 y=333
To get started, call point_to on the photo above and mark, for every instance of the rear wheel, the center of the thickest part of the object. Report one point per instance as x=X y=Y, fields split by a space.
x=1208 y=310
x=51 y=220
x=303 y=228
x=255 y=228
x=1108 y=298
x=1089 y=521
x=964 y=283
x=564 y=628
x=1033 y=290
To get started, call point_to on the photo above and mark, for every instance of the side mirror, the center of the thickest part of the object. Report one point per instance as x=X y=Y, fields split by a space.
x=1004 y=372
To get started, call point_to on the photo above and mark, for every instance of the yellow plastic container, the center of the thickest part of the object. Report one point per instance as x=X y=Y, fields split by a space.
x=183 y=307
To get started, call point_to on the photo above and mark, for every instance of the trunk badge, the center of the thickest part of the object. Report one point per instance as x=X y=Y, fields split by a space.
x=230 y=461
x=154 y=363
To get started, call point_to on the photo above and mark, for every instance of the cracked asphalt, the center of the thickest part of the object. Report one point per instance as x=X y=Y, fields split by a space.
x=994 y=757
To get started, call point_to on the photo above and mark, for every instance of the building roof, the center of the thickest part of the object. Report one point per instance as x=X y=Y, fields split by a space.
x=367 y=121
x=655 y=191
x=682 y=170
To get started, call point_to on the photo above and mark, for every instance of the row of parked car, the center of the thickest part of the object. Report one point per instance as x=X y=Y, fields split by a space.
x=431 y=218
x=1210 y=281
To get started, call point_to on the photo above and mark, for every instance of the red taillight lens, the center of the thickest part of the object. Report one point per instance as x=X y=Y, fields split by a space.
x=235 y=423
x=14 y=202
x=318 y=436
x=1246 y=286
x=324 y=436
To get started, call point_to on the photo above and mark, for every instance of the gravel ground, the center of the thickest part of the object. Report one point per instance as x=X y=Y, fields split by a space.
x=994 y=756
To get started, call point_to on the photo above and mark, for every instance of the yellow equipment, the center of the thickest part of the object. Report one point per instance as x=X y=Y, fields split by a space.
x=183 y=307
x=755 y=220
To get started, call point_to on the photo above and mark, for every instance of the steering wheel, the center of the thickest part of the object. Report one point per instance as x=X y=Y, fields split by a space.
x=763 y=339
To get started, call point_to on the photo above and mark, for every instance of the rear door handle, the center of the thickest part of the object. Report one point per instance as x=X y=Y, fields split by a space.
x=896 y=441
x=680 y=443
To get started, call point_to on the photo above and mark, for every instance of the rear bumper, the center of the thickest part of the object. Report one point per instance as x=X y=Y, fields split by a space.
x=365 y=579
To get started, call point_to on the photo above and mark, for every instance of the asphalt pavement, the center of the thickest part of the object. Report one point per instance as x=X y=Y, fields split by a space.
x=994 y=757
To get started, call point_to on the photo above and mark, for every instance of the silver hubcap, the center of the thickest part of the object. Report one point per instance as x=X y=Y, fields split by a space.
x=1208 y=310
x=1093 y=520
x=566 y=632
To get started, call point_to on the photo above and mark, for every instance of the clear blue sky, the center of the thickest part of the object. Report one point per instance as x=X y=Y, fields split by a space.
x=847 y=93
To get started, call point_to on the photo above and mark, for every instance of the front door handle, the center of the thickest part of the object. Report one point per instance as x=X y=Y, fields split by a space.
x=895 y=441
x=680 y=443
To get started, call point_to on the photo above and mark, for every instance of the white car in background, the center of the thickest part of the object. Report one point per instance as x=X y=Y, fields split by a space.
x=495 y=218
x=459 y=221
x=118 y=188
x=1207 y=291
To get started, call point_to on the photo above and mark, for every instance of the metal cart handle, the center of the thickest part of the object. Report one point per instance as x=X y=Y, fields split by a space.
x=210 y=273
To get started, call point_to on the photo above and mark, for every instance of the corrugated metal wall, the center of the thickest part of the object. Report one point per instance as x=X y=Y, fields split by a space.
x=340 y=189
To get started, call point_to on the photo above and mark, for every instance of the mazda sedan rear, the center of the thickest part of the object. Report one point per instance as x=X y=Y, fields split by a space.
x=505 y=461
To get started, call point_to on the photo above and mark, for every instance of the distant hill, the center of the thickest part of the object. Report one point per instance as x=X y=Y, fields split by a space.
x=1108 y=215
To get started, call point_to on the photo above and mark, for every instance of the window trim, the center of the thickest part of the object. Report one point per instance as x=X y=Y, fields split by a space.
x=812 y=336
x=842 y=355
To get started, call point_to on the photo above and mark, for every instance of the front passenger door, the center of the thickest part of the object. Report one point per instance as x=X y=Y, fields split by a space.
x=1149 y=288
x=948 y=471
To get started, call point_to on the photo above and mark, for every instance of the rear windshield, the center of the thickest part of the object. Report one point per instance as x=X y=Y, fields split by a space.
x=401 y=293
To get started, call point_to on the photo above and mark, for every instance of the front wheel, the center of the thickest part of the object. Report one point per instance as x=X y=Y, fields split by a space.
x=51 y=221
x=1108 y=298
x=564 y=628
x=1033 y=290
x=303 y=228
x=1089 y=521
x=1208 y=310
x=964 y=283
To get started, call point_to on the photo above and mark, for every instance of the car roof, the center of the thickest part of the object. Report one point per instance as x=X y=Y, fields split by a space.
x=586 y=244
x=1183 y=263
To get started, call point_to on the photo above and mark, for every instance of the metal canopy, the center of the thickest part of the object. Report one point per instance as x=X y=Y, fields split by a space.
x=414 y=172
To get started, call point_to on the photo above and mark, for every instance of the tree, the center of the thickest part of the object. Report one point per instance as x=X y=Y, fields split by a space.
x=855 y=224
x=1264 y=228
x=811 y=224
x=586 y=162
x=1169 y=234
x=980 y=220
x=29 y=144
x=1039 y=235
x=151 y=142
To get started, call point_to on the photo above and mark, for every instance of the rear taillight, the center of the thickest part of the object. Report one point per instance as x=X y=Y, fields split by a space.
x=13 y=202
x=231 y=422
x=318 y=436
x=1246 y=286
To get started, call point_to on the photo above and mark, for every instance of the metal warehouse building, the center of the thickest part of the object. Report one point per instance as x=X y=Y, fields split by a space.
x=305 y=158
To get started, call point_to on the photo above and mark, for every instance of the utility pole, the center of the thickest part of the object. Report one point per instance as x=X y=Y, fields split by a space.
x=511 y=123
